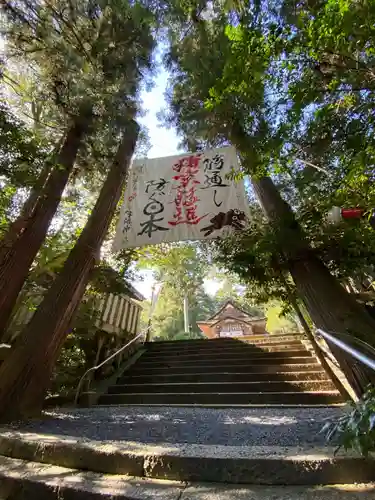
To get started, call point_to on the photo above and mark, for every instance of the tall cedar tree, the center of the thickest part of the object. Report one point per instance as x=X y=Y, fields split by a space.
x=26 y=235
x=26 y=373
x=215 y=101
x=92 y=56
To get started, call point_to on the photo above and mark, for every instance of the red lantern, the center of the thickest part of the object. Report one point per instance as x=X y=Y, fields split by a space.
x=336 y=214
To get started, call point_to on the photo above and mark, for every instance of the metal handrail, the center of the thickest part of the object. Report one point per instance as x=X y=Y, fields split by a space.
x=327 y=353
x=366 y=360
x=94 y=368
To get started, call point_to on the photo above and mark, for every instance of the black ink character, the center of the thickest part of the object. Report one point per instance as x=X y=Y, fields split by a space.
x=152 y=209
x=214 y=180
x=212 y=172
x=156 y=186
x=214 y=164
x=235 y=218
x=127 y=221
x=216 y=203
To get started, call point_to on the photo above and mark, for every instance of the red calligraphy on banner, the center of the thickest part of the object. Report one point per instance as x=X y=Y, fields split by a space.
x=186 y=199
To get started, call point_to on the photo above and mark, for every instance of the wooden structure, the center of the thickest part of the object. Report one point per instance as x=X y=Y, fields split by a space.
x=114 y=314
x=120 y=313
x=232 y=321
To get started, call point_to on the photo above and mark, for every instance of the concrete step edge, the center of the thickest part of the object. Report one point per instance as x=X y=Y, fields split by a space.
x=254 y=384
x=141 y=371
x=229 y=354
x=255 y=338
x=21 y=480
x=308 y=357
x=250 y=393
x=18 y=481
x=226 y=405
x=200 y=374
x=181 y=462
x=214 y=399
x=240 y=345
x=244 y=346
x=219 y=352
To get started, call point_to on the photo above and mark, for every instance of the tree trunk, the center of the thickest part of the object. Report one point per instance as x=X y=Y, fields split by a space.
x=21 y=244
x=330 y=307
x=26 y=374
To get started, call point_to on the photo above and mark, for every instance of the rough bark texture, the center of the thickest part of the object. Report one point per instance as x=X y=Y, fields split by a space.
x=19 y=247
x=25 y=375
x=330 y=307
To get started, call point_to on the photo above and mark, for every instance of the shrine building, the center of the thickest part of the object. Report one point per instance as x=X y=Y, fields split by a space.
x=232 y=321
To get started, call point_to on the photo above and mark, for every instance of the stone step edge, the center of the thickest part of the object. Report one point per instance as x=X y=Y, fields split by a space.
x=137 y=369
x=256 y=338
x=215 y=344
x=226 y=361
x=224 y=405
x=19 y=479
x=332 y=392
x=198 y=374
x=23 y=480
x=244 y=345
x=231 y=464
x=251 y=382
x=227 y=352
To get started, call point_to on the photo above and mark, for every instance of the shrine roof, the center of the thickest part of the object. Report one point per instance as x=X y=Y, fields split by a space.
x=245 y=316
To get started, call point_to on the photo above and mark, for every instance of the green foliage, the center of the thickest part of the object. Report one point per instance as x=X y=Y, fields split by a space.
x=293 y=91
x=278 y=321
x=179 y=265
x=356 y=429
x=21 y=151
x=181 y=270
x=89 y=53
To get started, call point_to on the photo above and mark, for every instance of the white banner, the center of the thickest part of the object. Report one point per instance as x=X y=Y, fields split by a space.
x=184 y=197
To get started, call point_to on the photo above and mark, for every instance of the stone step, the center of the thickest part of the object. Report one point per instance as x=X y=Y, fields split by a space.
x=220 y=342
x=188 y=358
x=233 y=346
x=222 y=377
x=223 y=387
x=286 y=337
x=223 y=399
x=261 y=465
x=234 y=351
x=290 y=366
x=20 y=480
x=222 y=362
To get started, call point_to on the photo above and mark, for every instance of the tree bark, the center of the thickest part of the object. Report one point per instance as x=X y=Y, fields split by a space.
x=22 y=242
x=329 y=305
x=25 y=375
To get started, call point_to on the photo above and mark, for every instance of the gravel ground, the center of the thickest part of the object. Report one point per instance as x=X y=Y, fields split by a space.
x=234 y=427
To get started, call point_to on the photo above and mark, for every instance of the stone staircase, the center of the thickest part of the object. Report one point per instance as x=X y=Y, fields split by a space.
x=49 y=465
x=193 y=420
x=226 y=372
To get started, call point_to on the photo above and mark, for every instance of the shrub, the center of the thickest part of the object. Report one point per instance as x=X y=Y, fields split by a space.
x=356 y=429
